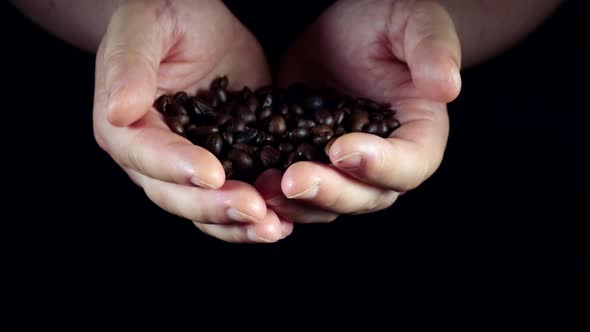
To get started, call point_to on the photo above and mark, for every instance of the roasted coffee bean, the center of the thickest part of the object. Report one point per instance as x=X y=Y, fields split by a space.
x=371 y=128
x=342 y=102
x=358 y=119
x=283 y=110
x=286 y=146
x=174 y=110
x=220 y=119
x=265 y=114
x=368 y=103
x=339 y=115
x=263 y=91
x=392 y=122
x=249 y=149
x=214 y=143
x=219 y=83
x=291 y=159
x=324 y=117
x=201 y=107
x=340 y=130
x=240 y=159
x=322 y=139
x=228 y=169
x=314 y=102
x=296 y=110
x=252 y=103
x=277 y=125
x=307 y=123
x=246 y=115
x=265 y=138
x=245 y=94
x=184 y=119
x=269 y=156
x=298 y=134
x=382 y=128
x=267 y=100
x=228 y=137
x=309 y=152
x=203 y=130
x=175 y=125
x=235 y=125
x=181 y=97
x=221 y=95
x=246 y=136
x=377 y=116
x=162 y=102
x=321 y=130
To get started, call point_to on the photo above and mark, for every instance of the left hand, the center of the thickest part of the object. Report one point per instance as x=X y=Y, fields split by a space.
x=403 y=52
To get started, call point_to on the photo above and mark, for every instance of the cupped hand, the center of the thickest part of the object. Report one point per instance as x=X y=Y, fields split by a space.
x=156 y=47
x=402 y=52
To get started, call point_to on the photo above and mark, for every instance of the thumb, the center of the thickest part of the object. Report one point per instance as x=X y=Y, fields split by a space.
x=432 y=51
x=129 y=57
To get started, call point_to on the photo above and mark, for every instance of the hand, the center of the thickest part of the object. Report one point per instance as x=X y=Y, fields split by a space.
x=403 y=52
x=155 y=47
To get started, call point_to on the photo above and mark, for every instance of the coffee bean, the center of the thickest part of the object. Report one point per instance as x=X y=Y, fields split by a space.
x=249 y=149
x=240 y=159
x=382 y=128
x=184 y=119
x=298 y=134
x=296 y=110
x=235 y=125
x=339 y=115
x=286 y=146
x=314 y=102
x=203 y=130
x=245 y=114
x=340 y=130
x=174 y=110
x=269 y=156
x=228 y=137
x=221 y=95
x=377 y=116
x=321 y=130
x=371 y=128
x=228 y=169
x=175 y=125
x=220 y=119
x=162 y=102
x=246 y=136
x=293 y=158
x=201 y=107
x=252 y=103
x=214 y=143
x=267 y=100
x=358 y=120
x=219 y=83
x=181 y=97
x=324 y=117
x=306 y=123
x=283 y=110
x=265 y=138
x=277 y=125
x=265 y=114
x=322 y=139
x=308 y=152
x=392 y=122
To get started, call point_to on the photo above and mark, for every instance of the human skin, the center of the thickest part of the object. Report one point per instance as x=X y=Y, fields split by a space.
x=404 y=52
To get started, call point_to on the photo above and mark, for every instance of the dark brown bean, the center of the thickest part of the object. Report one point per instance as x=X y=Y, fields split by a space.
x=220 y=119
x=371 y=128
x=382 y=128
x=219 y=83
x=267 y=100
x=286 y=146
x=265 y=114
x=240 y=159
x=204 y=130
x=175 y=125
x=339 y=116
x=221 y=95
x=184 y=119
x=235 y=125
x=174 y=110
x=358 y=119
x=307 y=123
x=214 y=143
x=308 y=152
x=277 y=125
x=392 y=122
x=181 y=97
x=252 y=103
x=297 y=110
x=162 y=102
x=201 y=107
x=265 y=138
x=283 y=110
x=322 y=139
x=321 y=130
x=269 y=156
x=228 y=168
x=314 y=102
x=248 y=116
x=249 y=149
x=291 y=159
x=228 y=137
x=299 y=134
x=246 y=136
x=324 y=117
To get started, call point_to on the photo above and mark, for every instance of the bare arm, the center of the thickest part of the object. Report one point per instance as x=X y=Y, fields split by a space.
x=79 y=22
x=488 y=27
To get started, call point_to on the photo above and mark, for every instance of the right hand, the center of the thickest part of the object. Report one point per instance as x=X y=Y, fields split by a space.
x=156 y=47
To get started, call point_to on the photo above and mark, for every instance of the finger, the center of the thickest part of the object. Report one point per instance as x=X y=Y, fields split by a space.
x=407 y=158
x=269 y=186
x=432 y=51
x=270 y=229
x=234 y=202
x=150 y=148
x=327 y=188
x=129 y=57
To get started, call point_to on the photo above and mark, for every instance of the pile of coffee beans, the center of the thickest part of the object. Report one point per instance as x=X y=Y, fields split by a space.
x=251 y=131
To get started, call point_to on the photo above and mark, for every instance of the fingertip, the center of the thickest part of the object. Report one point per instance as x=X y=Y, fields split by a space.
x=436 y=76
x=299 y=180
x=245 y=199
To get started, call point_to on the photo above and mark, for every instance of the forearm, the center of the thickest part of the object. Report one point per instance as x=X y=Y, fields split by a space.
x=489 y=27
x=79 y=22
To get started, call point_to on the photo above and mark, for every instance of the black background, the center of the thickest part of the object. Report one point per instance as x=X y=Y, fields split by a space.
x=504 y=222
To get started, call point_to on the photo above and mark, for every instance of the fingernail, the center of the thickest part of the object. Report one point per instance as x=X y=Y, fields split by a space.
x=239 y=216
x=252 y=236
x=350 y=161
x=308 y=193
x=200 y=183
x=285 y=229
